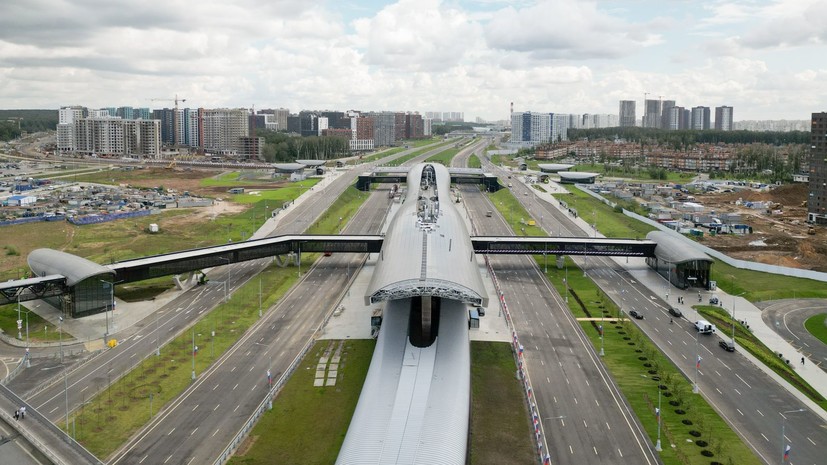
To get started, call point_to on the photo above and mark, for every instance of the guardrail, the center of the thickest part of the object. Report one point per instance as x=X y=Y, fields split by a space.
x=46 y=426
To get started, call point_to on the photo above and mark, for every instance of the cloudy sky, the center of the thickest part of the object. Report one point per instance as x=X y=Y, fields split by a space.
x=766 y=58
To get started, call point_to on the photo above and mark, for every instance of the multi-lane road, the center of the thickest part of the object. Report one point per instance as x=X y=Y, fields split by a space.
x=743 y=394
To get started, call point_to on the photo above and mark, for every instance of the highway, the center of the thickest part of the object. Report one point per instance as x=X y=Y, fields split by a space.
x=585 y=418
x=44 y=387
x=742 y=393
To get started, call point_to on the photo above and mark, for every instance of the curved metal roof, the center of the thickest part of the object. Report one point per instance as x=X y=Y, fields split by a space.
x=49 y=262
x=289 y=166
x=575 y=175
x=673 y=248
x=427 y=249
x=413 y=408
x=311 y=162
x=554 y=167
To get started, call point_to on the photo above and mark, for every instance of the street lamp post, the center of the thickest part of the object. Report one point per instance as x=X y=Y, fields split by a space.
x=733 y=317
x=783 y=421
x=65 y=380
x=193 y=353
x=19 y=321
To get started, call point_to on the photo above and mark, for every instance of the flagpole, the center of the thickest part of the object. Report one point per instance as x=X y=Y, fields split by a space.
x=697 y=363
x=657 y=444
x=785 y=448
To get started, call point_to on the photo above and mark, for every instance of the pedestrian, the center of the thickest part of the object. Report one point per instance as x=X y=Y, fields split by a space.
x=22 y=412
x=802 y=361
x=17 y=414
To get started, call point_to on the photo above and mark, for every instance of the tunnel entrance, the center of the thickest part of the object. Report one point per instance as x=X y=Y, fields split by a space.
x=423 y=325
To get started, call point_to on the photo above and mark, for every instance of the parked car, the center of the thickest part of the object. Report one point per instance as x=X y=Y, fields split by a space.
x=727 y=345
x=714 y=300
x=675 y=312
x=636 y=314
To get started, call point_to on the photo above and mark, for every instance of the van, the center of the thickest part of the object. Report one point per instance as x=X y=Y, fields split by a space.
x=704 y=327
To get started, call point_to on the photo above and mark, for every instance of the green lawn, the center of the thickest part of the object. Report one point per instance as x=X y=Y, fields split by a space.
x=39 y=330
x=474 y=162
x=443 y=157
x=609 y=221
x=817 y=326
x=758 y=286
x=308 y=424
x=500 y=428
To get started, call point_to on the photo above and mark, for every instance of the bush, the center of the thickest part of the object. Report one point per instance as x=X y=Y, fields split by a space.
x=12 y=250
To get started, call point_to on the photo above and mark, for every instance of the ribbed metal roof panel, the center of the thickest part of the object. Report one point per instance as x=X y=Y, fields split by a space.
x=413 y=409
x=437 y=259
x=50 y=262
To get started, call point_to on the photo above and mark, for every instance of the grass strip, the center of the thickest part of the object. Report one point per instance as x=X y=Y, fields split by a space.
x=474 y=162
x=500 y=429
x=444 y=157
x=307 y=424
x=642 y=371
x=401 y=160
x=108 y=419
x=817 y=326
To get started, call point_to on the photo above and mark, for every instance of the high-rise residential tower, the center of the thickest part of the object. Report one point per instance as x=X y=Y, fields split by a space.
x=723 y=118
x=817 y=200
x=700 y=118
x=651 y=113
x=627 y=113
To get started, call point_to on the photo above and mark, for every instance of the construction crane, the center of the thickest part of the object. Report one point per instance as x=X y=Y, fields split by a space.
x=174 y=117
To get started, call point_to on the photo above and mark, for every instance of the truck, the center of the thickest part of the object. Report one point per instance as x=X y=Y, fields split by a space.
x=704 y=327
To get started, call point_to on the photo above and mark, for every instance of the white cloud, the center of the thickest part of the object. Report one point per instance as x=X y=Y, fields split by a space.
x=474 y=56
x=566 y=29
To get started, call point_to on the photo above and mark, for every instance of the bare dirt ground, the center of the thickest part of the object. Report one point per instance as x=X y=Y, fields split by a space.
x=777 y=239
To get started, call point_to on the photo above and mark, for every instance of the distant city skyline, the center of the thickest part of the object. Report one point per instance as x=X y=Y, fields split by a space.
x=470 y=56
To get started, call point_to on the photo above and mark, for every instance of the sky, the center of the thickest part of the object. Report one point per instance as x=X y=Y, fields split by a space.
x=765 y=58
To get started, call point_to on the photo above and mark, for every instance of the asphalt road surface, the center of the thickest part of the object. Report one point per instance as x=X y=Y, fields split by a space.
x=585 y=418
x=787 y=317
x=743 y=394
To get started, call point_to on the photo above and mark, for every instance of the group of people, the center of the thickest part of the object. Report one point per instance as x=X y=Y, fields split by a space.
x=20 y=413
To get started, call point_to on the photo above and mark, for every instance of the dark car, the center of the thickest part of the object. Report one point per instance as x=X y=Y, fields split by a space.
x=636 y=314
x=714 y=300
x=675 y=312
x=727 y=345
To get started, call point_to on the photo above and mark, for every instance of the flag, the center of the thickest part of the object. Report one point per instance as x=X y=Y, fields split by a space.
x=787 y=452
x=698 y=363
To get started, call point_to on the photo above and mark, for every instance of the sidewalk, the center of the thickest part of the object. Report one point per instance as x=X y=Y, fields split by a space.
x=744 y=311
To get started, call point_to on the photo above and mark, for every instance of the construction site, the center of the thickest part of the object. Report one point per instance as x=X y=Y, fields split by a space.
x=780 y=234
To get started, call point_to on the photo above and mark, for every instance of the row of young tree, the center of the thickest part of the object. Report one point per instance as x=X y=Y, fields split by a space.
x=685 y=139
x=280 y=147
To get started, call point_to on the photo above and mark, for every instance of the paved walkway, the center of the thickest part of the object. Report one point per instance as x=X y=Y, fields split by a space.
x=744 y=311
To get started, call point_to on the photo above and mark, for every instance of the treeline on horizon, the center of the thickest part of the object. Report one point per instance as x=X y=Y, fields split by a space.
x=683 y=139
x=29 y=121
